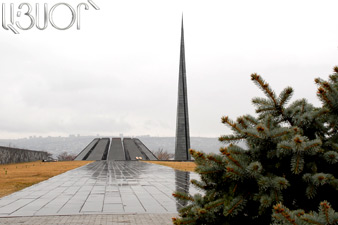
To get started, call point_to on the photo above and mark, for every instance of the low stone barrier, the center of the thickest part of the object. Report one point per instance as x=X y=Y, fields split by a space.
x=15 y=155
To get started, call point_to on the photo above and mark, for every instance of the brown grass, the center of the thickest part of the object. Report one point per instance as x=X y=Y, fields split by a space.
x=14 y=177
x=184 y=166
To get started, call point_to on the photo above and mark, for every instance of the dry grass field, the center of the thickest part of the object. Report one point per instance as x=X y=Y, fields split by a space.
x=14 y=177
x=184 y=166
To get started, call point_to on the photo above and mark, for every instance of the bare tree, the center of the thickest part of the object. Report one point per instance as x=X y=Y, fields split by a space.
x=162 y=154
x=65 y=156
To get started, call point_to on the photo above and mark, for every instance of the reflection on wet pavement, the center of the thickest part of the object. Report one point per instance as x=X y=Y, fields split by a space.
x=103 y=187
x=182 y=179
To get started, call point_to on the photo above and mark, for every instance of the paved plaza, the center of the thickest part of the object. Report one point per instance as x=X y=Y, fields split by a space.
x=102 y=219
x=102 y=189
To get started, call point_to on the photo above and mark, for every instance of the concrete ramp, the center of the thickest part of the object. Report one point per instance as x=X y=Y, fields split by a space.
x=100 y=151
x=116 y=151
x=87 y=149
x=132 y=150
x=145 y=150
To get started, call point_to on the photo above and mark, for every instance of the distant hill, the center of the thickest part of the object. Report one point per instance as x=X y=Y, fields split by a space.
x=74 y=144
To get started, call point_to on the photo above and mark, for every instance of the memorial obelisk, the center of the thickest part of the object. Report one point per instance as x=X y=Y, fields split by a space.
x=182 y=140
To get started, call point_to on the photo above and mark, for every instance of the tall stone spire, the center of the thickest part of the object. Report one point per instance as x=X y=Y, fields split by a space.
x=182 y=140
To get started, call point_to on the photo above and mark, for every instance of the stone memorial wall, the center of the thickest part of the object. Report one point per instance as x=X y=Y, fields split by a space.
x=15 y=155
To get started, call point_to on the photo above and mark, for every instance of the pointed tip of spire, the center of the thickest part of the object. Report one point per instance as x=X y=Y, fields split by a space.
x=182 y=19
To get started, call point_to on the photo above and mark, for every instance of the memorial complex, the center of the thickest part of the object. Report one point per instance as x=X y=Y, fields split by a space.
x=115 y=149
x=134 y=149
x=117 y=187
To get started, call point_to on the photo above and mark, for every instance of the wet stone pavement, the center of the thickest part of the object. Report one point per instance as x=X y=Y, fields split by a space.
x=102 y=188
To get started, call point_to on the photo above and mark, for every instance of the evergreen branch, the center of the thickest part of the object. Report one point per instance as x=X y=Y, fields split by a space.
x=303 y=106
x=235 y=149
x=268 y=122
x=334 y=77
x=320 y=112
x=327 y=86
x=311 y=221
x=261 y=128
x=262 y=109
x=316 y=144
x=279 y=209
x=335 y=69
x=280 y=183
x=209 y=172
x=252 y=135
x=196 y=154
x=279 y=134
x=236 y=204
x=214 y=204
x=319 y=81
x=321 y=179
x=285 y=147
x=263 y=183
x=261 y=101
x=213 y=158
x=322 y=94
x=241 y=121
x=231 y=170
x=285 y=96
x=276 y=195
x=233 y=208
x=311 y=191
x=264 y=86
x=254 y=169
x=325 y=208
x=331 y=157
x=183 y=196
x=226 y=120
x=231 y=138
x=233 y=191
x=251 y=119
x=185 y=209
x=334 y=146
x=297 y=163
x=298 y=103
x=198 y=184
x=225 y=152
x=182 y=221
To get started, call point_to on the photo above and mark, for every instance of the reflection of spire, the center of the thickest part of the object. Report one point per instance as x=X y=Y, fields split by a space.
x=182 y=180
x=182 y=142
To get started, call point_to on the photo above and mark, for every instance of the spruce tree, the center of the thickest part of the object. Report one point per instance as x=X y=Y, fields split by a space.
x=286 y=175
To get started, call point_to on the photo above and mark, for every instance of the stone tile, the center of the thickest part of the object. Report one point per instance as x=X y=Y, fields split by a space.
x=113 y=208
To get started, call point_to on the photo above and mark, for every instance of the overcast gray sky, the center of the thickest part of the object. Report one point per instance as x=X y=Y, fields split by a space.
x=119 y=73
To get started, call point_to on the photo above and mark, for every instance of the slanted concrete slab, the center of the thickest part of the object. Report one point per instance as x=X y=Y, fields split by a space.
x=100 y=150
x=145 y=150
x=102 y=187
x=131 y=149
x=116 y=151
x=87 y=149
